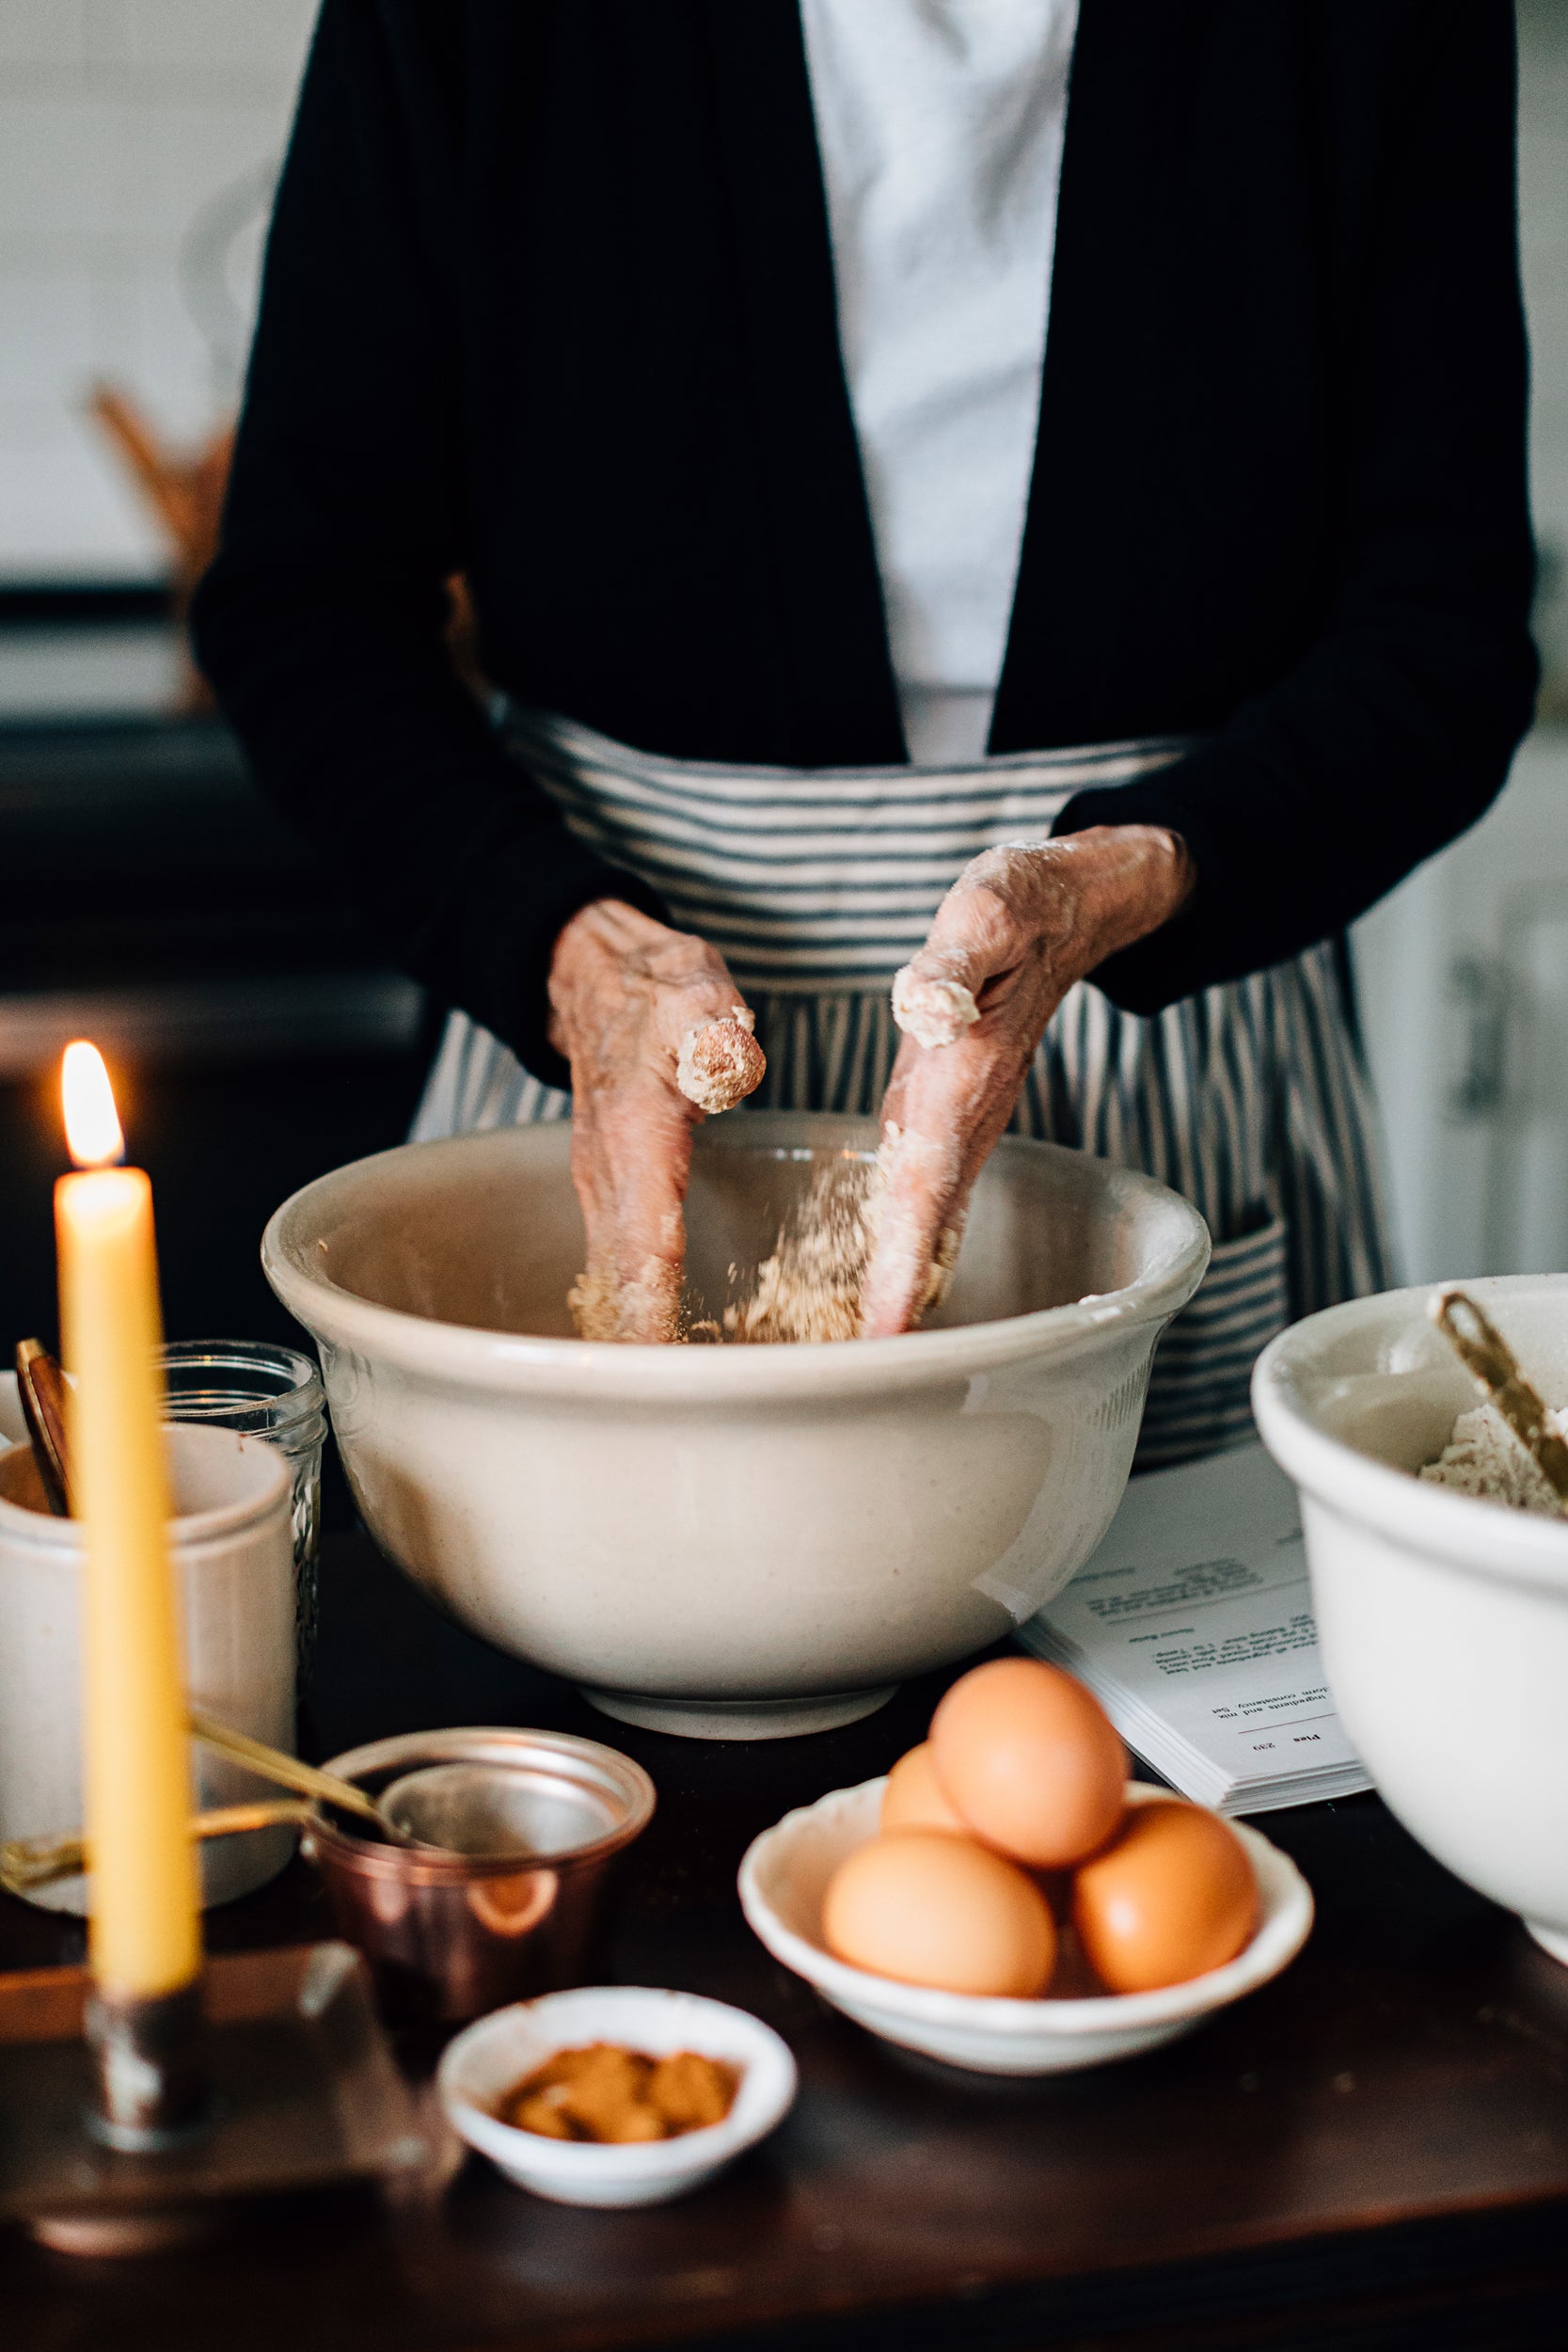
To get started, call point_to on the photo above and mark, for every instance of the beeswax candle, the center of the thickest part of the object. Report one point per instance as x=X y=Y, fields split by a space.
x=145 y=1937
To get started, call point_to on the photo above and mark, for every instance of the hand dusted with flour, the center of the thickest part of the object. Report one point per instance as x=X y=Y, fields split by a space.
x=1019 y=926
x=657 y=1034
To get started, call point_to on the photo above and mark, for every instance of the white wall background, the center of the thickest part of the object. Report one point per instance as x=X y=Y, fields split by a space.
x=1466 y=1012
x=120 y=120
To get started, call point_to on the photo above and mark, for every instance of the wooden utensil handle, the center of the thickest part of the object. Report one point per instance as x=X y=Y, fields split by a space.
x=287 y=1770
x=1494 y=1369
x=41 y=1388
x=29 y=1863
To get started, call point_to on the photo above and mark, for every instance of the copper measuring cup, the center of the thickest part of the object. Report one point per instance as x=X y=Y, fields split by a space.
x=449 y=1932
x=450 y=1935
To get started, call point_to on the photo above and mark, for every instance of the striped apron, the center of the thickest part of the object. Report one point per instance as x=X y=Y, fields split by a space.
x=1252 y=1099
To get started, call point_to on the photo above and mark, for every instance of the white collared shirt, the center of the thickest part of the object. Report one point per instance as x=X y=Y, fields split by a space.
x=940 y=125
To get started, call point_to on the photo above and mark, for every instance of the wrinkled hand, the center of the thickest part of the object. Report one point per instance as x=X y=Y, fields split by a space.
x=1019 y=927
x=657 y=1034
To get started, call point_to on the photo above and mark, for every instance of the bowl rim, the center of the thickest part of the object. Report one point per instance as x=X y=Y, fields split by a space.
x=372 y=1857
x=441 y=1354
x=1287 y=1911
x=1470 y=1532
x=190 y=1533
x=766 y=2091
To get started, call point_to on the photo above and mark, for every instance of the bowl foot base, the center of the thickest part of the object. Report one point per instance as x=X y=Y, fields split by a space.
x=1550 y=1940
x=739 y=1719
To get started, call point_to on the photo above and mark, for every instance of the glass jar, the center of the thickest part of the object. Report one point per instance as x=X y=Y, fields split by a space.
x=271 y=1392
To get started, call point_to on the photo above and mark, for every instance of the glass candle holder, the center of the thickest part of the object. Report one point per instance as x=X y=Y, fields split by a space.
x=271 y=1392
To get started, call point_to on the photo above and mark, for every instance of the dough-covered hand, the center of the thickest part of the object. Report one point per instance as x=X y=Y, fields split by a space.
x=1018 y=927
x=657 y=1034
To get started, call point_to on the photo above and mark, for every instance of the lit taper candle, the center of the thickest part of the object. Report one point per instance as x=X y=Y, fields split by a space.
x=145 y=1932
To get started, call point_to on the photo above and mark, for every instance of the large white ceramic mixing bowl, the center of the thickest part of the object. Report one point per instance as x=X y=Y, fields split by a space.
x=1443 y=1617
x=730 y=1541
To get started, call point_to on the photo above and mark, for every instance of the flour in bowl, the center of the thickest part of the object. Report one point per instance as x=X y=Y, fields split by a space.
x=809 y=1287
x=1484 y=1457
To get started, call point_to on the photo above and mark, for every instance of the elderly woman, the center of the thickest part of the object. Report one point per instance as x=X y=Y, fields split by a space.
x=1014 y=489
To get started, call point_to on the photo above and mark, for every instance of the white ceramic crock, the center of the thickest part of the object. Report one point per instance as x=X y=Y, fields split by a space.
x=1443 y=1617
x=233 y=1557
x=730 y=1541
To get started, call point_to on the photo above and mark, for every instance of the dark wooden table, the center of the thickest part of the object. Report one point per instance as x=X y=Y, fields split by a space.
x=1373 y=2150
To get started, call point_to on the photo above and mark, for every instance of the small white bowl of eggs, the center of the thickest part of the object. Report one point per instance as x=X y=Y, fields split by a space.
x=1005 y=1900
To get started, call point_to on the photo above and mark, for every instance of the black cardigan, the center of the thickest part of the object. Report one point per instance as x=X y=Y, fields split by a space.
x=550 y=299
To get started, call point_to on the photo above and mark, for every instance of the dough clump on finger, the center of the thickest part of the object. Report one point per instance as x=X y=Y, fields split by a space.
x=933 y=1012
x=720 y=1061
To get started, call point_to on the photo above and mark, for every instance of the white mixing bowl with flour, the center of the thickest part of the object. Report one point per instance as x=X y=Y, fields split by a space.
x=1443 y=1616
x=730 y=1542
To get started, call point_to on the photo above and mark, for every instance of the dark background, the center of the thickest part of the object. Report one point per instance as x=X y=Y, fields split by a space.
x=224 y=1148
x=255 y=1032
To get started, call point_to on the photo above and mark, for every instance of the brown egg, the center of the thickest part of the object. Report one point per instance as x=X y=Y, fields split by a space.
x=930 y=1908
x=1029 y=1761
x=1171 y=1897
x=913 y=1799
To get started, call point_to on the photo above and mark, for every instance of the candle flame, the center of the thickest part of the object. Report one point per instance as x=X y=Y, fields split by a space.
x=92 y=1129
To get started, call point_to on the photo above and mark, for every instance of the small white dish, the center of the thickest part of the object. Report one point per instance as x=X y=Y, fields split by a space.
x=785 y=1875
x=491 y=2057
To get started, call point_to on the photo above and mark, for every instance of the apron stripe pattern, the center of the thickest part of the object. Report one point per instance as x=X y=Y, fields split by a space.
x=815 y=885
x=804 y=879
